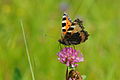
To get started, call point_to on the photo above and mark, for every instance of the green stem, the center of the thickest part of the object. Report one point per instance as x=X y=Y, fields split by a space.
x=67 y=73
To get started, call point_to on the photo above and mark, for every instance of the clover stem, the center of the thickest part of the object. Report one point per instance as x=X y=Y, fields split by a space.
x=67 y=73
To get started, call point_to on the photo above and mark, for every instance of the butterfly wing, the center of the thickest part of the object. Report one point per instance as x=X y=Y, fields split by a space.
x=84 y=35
x=76 y=26
x=66 y=23
x=78 y=34
x=79 y=22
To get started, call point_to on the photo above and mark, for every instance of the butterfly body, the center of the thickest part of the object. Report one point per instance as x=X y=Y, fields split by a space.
x=73 y=33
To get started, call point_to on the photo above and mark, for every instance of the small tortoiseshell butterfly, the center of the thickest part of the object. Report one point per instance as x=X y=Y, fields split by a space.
x=73 y=33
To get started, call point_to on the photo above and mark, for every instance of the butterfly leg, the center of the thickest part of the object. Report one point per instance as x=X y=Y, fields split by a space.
x=60 y=47
x=74 y=46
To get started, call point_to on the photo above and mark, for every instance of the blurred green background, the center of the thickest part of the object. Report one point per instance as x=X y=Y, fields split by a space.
x=42 y=23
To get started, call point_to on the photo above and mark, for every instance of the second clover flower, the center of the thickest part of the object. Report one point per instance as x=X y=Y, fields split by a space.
x=70 y=56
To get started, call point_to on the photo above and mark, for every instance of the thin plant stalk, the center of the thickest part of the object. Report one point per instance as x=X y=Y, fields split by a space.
x=67 y=73
x=27 y=51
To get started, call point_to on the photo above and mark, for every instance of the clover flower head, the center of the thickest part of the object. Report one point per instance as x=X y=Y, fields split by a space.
x=70 y=57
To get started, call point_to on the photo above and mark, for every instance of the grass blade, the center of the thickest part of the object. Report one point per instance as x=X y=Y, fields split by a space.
x=27 y=51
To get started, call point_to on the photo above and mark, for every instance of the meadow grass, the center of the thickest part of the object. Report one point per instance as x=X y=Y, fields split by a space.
x=42 y=24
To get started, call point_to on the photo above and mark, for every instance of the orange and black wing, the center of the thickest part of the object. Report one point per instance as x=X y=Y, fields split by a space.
x=66 y=23
x=83 y=35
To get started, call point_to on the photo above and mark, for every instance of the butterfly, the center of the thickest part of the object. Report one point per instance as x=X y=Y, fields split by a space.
x=73 y=32
x=74 y=75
